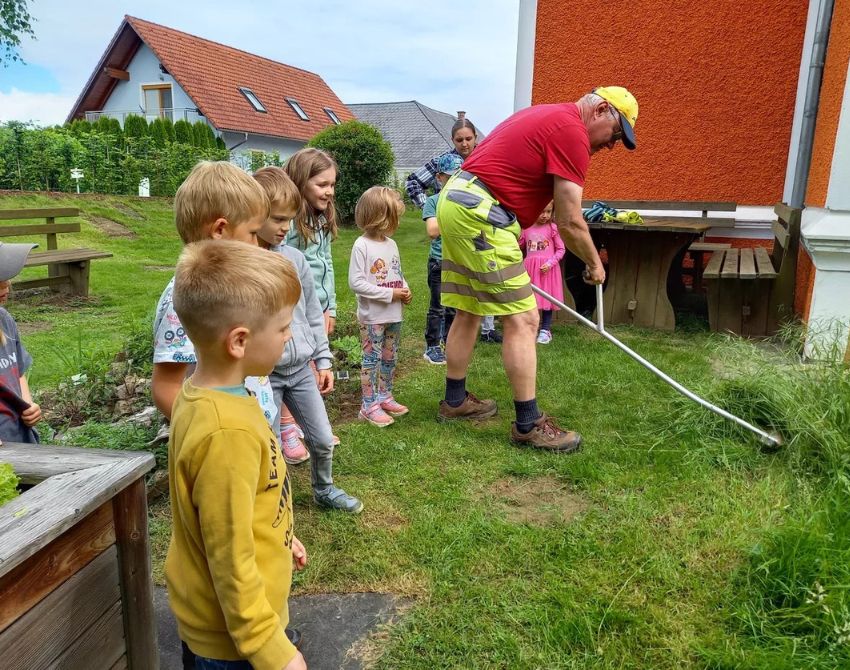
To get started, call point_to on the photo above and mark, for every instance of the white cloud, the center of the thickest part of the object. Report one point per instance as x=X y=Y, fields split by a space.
x=44 y=109
x=447 y=55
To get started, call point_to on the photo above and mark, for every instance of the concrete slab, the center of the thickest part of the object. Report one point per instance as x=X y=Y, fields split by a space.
x=332 y=625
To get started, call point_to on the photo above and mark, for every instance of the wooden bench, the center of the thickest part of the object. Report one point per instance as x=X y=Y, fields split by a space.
x=750 y=291
x=67 y=269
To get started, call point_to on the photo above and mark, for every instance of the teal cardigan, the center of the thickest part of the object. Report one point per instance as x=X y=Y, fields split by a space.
x=318 y=255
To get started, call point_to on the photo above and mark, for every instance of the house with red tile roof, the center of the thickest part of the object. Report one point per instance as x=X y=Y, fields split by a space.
x=251 y=102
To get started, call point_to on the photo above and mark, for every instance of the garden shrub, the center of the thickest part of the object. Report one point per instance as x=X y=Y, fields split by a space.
x=364 y=157
x=8 y=483
x=135 y=126
x=183 y=132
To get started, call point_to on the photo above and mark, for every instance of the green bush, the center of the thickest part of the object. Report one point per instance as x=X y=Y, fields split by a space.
x=204 y=136
x=158 y=132
x=135 y=126
x=364 y=157
x=42 y=158
x=8 y=483
x=183 y=132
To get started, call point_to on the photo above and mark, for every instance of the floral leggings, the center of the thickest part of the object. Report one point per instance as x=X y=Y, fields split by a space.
x=380 y=348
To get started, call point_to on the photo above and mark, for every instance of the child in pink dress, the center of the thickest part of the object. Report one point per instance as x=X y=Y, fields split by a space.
x=543 y=249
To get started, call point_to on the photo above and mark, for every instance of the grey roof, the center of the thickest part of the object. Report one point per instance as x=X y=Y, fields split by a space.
x=416 y=132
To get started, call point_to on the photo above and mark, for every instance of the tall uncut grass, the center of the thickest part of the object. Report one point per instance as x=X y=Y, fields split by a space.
x=790 y=605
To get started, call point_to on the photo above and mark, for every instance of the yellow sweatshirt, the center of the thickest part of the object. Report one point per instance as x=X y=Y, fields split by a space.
x=229 y=564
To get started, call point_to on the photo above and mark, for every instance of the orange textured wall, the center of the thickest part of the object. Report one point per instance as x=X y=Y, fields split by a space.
x=716 y=83
x=829 y=107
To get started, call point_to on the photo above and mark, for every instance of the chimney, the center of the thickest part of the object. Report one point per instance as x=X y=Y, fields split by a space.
x=461 y=115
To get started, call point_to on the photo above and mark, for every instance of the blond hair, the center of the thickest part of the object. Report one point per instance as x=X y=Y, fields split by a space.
x=216 y=190
x=280 y=189
x=301 y=167
x=378 y=210
x=222 y=284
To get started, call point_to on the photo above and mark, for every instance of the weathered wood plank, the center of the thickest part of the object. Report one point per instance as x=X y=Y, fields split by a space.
x=64 y=256
x=46 y=631
x=780 y=232
x=729 y=313
x=667 y=205
x=765 y=267
x=748 y=265
x=37 y=213
x=39 y=229
x=99 y=647
x=30 y=582
x=38 y=516
x=730 y=265
x=667 y=224
x=712 y=270
x=130 y=508
x=58 y=280
x=704 y=247
x=783 y=211
x=120 y=664
x=34 y=464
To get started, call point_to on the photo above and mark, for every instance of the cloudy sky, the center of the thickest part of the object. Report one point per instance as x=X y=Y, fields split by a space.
x=445 y=54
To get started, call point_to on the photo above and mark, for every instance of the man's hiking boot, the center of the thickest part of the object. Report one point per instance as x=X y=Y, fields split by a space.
x=547 y=436
x=471 y=409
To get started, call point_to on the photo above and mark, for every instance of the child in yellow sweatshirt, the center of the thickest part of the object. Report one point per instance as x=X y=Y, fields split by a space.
x=230 y=561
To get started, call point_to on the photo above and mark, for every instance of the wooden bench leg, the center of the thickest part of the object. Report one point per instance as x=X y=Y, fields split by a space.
x=79 y=275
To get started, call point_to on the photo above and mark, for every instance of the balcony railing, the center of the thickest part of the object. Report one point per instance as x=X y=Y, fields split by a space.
x=190 y=114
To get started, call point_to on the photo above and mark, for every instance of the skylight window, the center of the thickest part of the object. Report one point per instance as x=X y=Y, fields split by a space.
x=332 y=115
x=253 y=99
x=297 y=109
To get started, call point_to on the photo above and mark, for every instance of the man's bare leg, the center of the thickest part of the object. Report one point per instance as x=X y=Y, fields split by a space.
x=460 y=343
x=519 y=353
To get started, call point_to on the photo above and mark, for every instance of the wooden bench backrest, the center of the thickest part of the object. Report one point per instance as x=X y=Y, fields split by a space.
x=668 y=205
x=42 y=213
x=48 y=228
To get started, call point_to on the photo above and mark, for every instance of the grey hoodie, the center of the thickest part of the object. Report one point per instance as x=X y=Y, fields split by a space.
x=309 y=341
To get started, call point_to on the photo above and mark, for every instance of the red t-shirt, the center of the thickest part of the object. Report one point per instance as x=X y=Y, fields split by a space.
x=518 y=160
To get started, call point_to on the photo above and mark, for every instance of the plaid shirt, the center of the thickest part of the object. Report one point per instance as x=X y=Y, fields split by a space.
x=424 y=178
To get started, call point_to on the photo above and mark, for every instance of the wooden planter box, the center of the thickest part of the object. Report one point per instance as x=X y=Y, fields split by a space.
x=75 y=580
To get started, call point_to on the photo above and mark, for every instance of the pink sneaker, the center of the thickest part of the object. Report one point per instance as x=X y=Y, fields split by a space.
x=375 y=415
x=335 y=441
x=393 y=407
x=294 y=451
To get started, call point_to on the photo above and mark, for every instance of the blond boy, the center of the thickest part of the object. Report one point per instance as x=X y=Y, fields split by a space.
x=229 y=564
x=293 y=381
x=216 y=201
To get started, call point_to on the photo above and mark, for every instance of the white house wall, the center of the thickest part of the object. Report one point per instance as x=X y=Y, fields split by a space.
x=144 y=69
x=241 y=147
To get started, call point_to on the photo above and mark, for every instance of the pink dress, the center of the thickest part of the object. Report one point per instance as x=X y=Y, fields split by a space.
x=543 y=246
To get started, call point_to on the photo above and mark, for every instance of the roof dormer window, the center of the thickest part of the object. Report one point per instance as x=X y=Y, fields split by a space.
x=251 y=97
x=332 y=115
x=297 y=109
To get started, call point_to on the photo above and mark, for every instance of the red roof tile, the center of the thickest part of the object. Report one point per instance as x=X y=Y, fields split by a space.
x=212 y=74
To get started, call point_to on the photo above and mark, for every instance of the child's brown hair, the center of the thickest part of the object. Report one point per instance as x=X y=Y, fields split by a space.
x=216 y=190
x=301 y=167
x=221 y=284
x=378 y=211
x=280 y=189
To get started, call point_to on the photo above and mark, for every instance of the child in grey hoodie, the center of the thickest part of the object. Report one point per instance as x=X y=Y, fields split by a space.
x=293 y=381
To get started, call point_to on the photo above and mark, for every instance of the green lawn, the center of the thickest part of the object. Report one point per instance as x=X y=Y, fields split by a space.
x=646 y=550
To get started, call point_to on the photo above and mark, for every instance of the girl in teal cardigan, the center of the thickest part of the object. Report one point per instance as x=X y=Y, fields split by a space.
x=314 y=173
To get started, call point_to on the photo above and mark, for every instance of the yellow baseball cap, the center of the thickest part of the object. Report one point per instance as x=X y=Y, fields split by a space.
x=626 y=104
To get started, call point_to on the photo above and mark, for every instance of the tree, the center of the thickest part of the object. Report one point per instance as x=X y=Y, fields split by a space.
x=135 y=126
x=183 y=132
x=14 y=24
x=364 y=157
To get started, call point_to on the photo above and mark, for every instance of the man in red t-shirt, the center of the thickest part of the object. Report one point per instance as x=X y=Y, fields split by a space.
x=539 y=154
